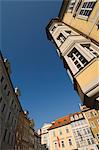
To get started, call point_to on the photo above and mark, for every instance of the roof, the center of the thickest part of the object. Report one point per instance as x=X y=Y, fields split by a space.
x=64 y=121
x=60 y=122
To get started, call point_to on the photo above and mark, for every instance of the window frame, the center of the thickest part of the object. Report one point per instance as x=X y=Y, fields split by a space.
x=85 y=17
x=71 y=6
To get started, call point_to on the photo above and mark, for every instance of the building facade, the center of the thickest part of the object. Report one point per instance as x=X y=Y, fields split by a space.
x=82 y=132
x=71 y=132
x=24 y=132
x=9 y=107
x=45 y=134
x=61 y=136
x=92 y=117
x=75 y=33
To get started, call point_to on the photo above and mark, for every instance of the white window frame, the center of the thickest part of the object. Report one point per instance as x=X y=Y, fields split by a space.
x=92 y=124
x=71 y=6
x=62 y=39
x=85 y=52
x=70 y=62
x=85 y=17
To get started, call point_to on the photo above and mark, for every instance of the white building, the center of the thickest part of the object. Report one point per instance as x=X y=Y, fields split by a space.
x=82 y=132
x=45 y=134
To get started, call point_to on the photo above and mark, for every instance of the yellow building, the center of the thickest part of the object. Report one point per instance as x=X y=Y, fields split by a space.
x=61 y=135
x=76 y=35
x=71 y=132
x=92 y=116
x=82 y=15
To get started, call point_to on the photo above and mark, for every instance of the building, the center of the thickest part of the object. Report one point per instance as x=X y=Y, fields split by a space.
x=92 y=117
x=75 y=33
x=82 y=132
x=61 y=136
x=9 y=107
x=37 y=141
x=82 y=15
x=71 y=132
x=24 y=132
x=45 y=134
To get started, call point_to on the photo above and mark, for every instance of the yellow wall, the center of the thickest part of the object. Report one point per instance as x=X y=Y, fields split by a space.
x=83 y=77
x=65 y=136
x=93 y=118
x=88 y=26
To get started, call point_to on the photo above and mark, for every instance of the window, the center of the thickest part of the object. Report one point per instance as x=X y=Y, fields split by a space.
x=3 y=108
x=77 y=58
x=89 y=142
x=90 y=48
x=94 y=113
x=8 y=93
x=61 y=38
x=9 y=137
x=88 y=130
x=92 y=124
x=0 y=99
x=67 y=130
x=70 y=142
x=53 y=133
x=92 y=141
x=5 y=87
x=71 y=5
x=72 y=118
x=2 y=78
x=60 y=131
x=5 y=133
x=78 y=145
x=62 y=143
x=87 y=8
x=84 y=131
x=9 y=115
x=55 y=145
x=97 y=135
x=76 y=117
x=98 y=121
x=53 y=28
x=88 y=115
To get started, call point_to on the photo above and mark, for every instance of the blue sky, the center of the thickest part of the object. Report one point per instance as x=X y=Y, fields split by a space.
x=46 y=90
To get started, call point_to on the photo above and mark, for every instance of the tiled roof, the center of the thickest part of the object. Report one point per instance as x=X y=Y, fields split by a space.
x=60 y=122
x=63 y=121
